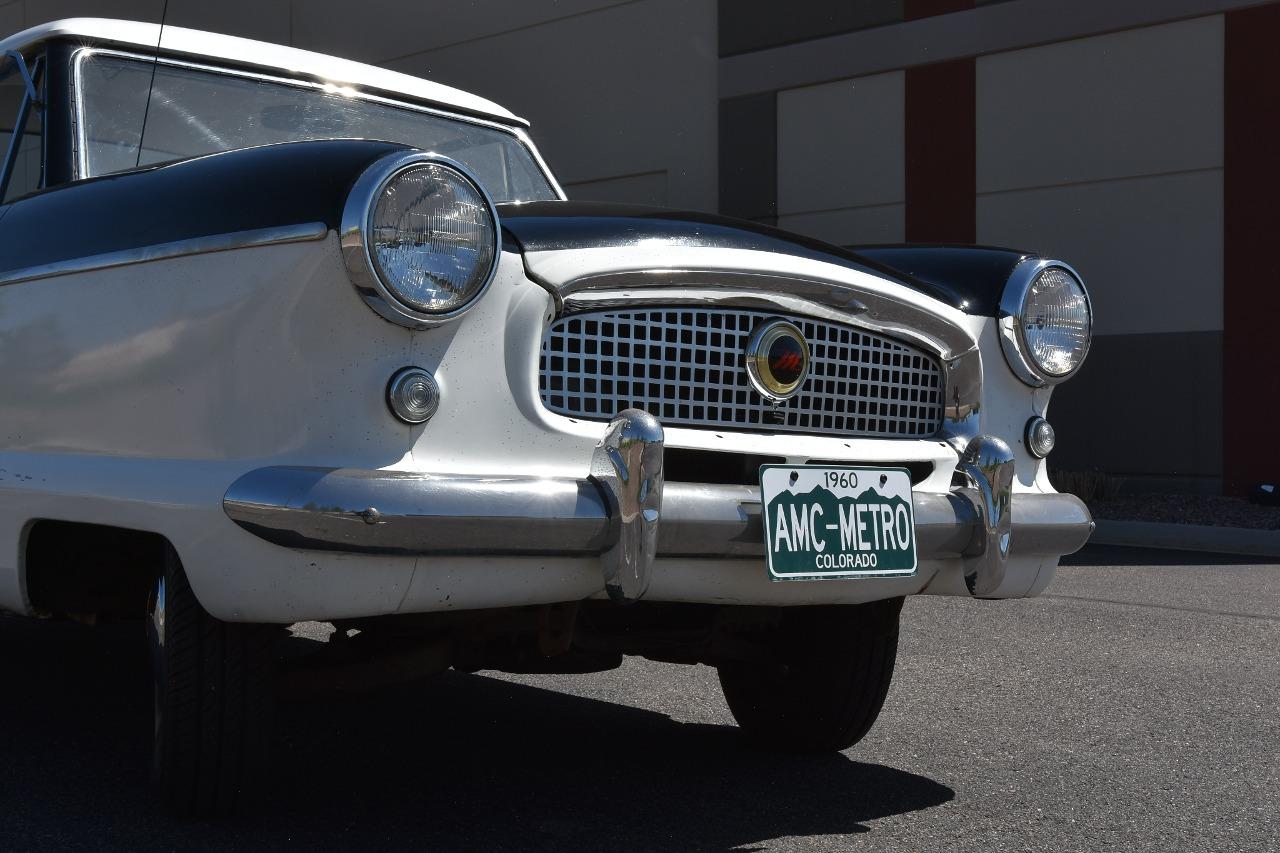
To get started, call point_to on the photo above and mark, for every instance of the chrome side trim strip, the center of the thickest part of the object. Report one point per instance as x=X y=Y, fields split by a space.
x=389 y=512
x=164 y=251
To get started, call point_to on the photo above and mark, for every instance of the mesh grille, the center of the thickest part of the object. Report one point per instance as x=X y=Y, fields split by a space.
x=687 y=367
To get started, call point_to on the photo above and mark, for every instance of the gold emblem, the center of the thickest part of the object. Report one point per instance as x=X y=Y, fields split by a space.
x=777 y=359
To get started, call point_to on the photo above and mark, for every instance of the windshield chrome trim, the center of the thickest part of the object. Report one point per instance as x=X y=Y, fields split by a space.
x=542 y=164
x=164 y=251
x=81 y=143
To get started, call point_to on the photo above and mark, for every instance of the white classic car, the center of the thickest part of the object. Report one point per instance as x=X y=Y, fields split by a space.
x=291 y=338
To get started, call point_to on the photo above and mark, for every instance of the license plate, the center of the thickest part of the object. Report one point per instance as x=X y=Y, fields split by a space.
x=822 y=522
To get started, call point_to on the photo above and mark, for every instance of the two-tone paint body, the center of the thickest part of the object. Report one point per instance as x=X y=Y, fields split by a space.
x=167 y=332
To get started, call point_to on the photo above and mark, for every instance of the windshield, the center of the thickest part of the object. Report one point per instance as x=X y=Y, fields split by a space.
x=195 y=112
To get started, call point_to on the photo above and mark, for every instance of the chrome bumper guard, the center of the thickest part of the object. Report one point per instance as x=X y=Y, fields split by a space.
x=625 y=514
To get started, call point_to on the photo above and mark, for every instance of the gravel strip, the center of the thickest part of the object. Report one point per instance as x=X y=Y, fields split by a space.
x=1188 y=509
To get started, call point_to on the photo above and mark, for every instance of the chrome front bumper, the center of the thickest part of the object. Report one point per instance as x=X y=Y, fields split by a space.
x=625 y=514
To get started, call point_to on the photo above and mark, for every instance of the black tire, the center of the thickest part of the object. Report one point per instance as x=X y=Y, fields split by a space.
x=837 y=663
x=213 y=700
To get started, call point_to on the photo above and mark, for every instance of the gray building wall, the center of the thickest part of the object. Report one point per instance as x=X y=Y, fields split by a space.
x=841 y=165
x=1108 y=151
x=1098 y=129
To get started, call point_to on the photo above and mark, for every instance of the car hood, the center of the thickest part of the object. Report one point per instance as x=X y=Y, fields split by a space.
x=966 y=278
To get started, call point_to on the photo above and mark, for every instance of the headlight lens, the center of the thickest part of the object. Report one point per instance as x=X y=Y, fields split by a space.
x=432 y=238
x=1056 y=322
x=1045 y=322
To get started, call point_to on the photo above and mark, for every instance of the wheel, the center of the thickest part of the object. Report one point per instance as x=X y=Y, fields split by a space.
x=213 y=692
x=827 y=690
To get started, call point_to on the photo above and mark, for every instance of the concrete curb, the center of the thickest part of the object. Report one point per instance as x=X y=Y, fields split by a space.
x=1188 y=537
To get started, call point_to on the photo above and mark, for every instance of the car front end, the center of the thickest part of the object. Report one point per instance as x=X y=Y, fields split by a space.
x=295 y=339
x=592 y=410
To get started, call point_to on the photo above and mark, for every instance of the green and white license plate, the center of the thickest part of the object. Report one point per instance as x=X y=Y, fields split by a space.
x=825 y=522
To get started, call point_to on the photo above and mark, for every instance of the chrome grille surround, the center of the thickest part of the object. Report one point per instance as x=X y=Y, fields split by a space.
x=686 y=366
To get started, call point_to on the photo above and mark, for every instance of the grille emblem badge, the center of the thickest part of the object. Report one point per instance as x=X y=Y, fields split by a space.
x=777 y=359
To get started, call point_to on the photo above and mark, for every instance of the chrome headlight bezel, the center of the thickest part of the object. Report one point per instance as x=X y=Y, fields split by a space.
x=1013 y=340
x=357 y=225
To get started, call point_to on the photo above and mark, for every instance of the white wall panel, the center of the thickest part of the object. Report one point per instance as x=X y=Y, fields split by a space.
x=1149 y=249
x=840 y=145
x=649 y=188
x=381 y=30
x=40 y=11
x=12 y=18
x=879 y=224
x=266 y=20
x=1138 y=102
x=628 y=89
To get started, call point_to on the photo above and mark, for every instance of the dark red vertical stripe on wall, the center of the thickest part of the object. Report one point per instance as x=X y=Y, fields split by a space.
x=941 y=141
x=1251 y=274
x=914 y=9
x=941 y=153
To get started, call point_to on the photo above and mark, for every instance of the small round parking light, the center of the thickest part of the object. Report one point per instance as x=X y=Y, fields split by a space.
x=413 y=395
x=1040 y=437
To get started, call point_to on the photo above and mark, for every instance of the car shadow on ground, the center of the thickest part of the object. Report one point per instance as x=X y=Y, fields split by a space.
x=1124 y=555
x=459 y=762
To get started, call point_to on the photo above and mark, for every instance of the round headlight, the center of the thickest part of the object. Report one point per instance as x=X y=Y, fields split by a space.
x=1046 y=322
x=420 y=237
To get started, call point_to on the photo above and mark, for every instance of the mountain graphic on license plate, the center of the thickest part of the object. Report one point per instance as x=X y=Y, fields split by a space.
x=822 y=522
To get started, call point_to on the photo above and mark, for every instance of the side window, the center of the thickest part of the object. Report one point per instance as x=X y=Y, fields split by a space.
x=25 y=161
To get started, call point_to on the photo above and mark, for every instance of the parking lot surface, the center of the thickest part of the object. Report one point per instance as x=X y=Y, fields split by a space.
x=1134 y=706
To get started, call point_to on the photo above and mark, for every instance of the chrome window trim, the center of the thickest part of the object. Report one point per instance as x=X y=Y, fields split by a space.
x=1013 y=339
x=81 y=143
x=537 y=156
x=834 y=301
x=353 y=236
x=164 y=251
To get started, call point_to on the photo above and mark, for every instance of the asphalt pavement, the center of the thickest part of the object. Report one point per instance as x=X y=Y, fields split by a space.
x=1135 y=706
